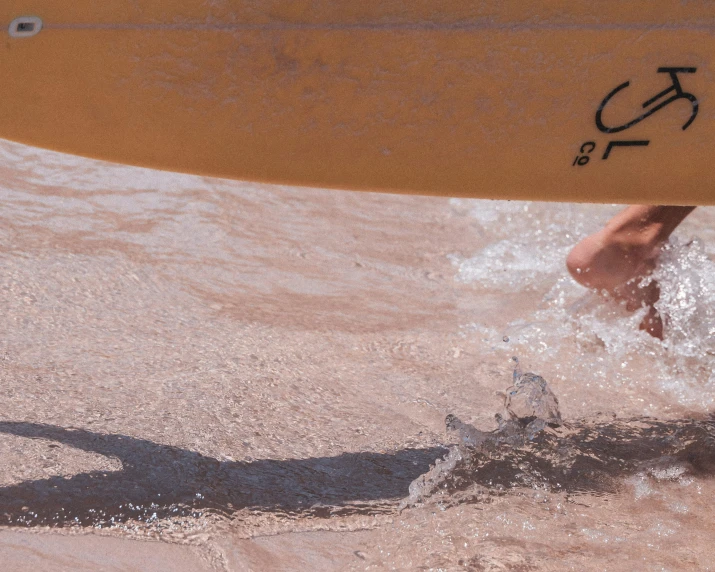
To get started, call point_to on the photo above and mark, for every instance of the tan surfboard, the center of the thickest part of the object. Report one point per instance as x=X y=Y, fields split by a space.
x=603 y=101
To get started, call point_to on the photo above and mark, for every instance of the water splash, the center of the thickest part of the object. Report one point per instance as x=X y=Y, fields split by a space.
x=687 y=298
x=534 y=448
x=530 y=399
x=529 y=407
x=583 y=336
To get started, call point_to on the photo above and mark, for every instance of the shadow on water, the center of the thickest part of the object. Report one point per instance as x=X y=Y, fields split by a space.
x=589 y=456
x=172 y=482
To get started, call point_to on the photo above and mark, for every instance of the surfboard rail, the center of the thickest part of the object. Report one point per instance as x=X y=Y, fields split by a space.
x=606 y=103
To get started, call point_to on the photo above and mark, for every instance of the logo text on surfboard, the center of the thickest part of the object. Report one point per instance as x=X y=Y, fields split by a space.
x=672 y=93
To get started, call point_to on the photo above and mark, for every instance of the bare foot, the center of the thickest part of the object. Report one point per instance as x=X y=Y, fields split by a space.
x=617 y=258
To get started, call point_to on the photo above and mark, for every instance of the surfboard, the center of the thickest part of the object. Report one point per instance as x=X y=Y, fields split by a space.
x=550 y=100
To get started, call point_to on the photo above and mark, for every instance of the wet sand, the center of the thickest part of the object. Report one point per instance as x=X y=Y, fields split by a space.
x=62 y=553
x=228 y=376
x=47 y=552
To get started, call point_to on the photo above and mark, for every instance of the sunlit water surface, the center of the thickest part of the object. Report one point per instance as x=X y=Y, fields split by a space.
x=204 y=361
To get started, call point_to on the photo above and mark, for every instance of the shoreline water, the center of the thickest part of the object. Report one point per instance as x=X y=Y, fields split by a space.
x=212 y=362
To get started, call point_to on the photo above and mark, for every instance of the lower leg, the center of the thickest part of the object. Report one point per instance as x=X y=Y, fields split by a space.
x=615 y=258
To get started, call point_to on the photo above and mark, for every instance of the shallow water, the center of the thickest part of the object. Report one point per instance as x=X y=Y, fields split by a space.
x=203 y=361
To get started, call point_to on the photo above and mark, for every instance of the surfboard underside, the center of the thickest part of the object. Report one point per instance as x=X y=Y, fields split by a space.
x=410 y=97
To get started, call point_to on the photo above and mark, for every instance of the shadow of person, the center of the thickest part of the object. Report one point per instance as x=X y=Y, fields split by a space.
x=159 y=481
x=164 y=482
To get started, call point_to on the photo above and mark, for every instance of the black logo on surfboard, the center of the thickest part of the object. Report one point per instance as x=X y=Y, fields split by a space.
x=672 y=93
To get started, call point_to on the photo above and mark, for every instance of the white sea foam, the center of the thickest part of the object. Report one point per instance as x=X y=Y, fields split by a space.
x=522 y=251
